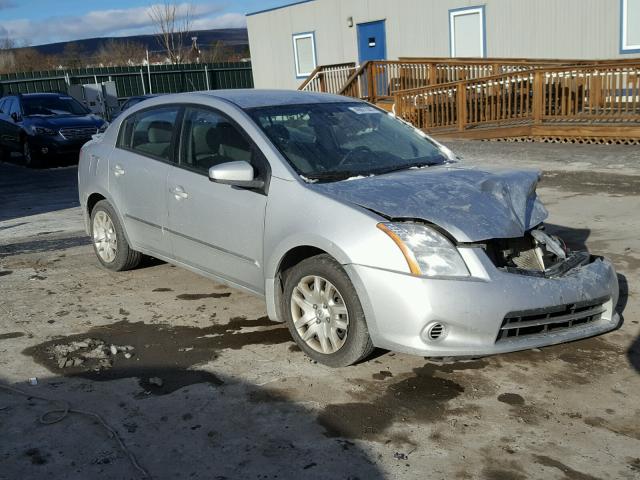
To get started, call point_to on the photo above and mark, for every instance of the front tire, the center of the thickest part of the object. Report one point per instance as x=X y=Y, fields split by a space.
x=323 y=312
x=29 y=156
x=109 y=242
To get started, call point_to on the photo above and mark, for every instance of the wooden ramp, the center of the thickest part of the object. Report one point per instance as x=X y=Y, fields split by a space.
x=518 y=100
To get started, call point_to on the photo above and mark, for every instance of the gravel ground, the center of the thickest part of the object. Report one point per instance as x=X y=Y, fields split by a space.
x=200 y=384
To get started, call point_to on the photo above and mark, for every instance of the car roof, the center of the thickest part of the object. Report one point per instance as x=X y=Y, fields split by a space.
x=253 y=98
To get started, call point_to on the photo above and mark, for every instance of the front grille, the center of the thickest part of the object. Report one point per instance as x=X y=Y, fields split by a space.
x=547 y=320
x=77 y=133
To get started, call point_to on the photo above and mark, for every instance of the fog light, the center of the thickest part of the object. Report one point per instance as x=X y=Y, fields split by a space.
x=434 y=331
x=44 y=150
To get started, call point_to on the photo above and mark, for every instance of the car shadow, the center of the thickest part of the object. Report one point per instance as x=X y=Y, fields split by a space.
x=25 y=192
x=218 y=429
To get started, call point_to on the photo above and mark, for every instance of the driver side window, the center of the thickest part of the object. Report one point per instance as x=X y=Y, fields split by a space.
x=210 y=139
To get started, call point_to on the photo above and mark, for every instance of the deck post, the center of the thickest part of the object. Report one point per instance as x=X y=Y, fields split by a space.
x=461 y=94
x=433 y=74
x=370 y=83
x=538 y=97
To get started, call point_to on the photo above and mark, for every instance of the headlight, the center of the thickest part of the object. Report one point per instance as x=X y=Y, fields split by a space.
x=428 y=252
x=43 y=131
x=104 y=127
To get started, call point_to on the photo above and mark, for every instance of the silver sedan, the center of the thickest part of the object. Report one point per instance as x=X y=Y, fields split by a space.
x=358 y=230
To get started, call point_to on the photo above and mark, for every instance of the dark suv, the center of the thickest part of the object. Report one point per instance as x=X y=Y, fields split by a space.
x=45 y=127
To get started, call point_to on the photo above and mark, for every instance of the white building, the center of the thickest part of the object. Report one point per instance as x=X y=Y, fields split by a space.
x=288 y=42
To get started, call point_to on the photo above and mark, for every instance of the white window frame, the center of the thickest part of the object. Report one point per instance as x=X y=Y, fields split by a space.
x=298 y=36
x=452 y=28
x=624 y=23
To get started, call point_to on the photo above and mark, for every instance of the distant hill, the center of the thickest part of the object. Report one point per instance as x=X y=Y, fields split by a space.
x=232 y=37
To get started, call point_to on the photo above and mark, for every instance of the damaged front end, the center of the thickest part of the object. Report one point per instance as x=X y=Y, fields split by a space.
x=535 y=254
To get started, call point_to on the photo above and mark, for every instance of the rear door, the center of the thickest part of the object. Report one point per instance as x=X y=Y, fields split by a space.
x=138 y=171
x=217 y=228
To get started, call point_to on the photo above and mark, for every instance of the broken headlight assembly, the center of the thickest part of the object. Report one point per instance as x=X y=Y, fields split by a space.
x=427 y=252
x=536 y=253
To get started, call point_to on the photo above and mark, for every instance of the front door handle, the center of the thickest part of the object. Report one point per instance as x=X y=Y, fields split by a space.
x=179 y=193
x=118 y=171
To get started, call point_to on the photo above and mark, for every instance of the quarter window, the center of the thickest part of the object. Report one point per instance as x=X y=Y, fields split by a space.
x=304 y=52
x=150 y=132
x=210 y=139
x=630 y=35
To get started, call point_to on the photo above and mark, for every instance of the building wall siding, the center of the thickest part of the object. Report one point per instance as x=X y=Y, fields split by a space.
x=577 y=29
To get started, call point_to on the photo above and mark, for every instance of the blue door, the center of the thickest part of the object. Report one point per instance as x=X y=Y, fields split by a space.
x=372 y=45
x=372 y=41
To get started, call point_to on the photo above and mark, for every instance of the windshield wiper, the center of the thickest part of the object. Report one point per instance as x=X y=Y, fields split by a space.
x=333 y=176
x=406 y=167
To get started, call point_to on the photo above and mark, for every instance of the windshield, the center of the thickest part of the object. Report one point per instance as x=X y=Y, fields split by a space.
x=335 y=141
x=51 y=105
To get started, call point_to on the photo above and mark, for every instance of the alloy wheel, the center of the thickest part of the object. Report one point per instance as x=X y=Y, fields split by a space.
x=104 y=236
x=319 y=314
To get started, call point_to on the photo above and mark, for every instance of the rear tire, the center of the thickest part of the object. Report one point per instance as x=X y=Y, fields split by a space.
x=323 y=312
x=109 y=242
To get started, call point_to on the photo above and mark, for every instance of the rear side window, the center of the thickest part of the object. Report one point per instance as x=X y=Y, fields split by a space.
x=150 y=132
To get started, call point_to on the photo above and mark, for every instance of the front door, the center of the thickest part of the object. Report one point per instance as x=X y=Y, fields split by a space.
x=138 y=172
x=216 y=228
x=372 y=41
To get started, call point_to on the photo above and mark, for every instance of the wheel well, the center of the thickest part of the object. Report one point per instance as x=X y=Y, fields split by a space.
x=291 y=258
x=296 y=255
x=92 y=200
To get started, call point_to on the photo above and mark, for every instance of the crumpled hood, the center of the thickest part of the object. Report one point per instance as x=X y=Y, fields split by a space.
x=471 y=204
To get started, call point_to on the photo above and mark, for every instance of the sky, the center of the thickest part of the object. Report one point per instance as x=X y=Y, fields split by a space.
x=36 y=22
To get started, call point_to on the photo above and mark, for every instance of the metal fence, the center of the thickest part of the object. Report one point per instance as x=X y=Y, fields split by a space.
x=137 y=80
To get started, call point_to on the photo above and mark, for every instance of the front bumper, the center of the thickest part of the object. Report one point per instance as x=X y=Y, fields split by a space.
x=400 y=307
x=57 y=147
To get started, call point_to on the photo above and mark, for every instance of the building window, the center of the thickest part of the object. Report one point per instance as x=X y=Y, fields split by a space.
x=304 y=52
x=467 y=32
x=630 y=26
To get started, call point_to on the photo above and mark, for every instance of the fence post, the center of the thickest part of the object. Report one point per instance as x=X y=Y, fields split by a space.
x=461 y=95
x=538 y=97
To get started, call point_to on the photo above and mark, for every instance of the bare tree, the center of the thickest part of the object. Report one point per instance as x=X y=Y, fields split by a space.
x=120 y=53
x=74 y=55
x=172 y=22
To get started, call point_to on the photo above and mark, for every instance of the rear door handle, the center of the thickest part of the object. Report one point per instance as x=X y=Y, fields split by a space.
x=118 y=171
x=179 y=193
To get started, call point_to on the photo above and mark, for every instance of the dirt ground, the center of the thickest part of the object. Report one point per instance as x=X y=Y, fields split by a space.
x=198 y=383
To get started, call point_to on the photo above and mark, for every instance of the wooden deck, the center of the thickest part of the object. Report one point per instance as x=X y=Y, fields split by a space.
x=588 y=100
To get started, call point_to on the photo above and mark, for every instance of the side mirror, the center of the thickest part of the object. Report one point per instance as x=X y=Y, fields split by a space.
x=15 y=116
x=238 y=174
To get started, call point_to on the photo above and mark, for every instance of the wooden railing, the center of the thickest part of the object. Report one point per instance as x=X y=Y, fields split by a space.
x=380 y=80
x=328 y=78
x=609 y=93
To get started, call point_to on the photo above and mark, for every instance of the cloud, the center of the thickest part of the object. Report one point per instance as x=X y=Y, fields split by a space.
x=228 y=20
x=113 y=22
